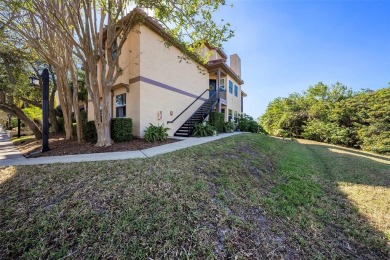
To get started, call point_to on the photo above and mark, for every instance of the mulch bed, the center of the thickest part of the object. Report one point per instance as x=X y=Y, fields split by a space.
x=59 y=146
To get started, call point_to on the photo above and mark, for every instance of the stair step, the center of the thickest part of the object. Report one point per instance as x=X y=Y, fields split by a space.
x=196 y=118
x=182 y=134
x=182 y=131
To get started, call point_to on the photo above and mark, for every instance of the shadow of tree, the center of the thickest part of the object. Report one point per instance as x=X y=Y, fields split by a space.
x=179 y=203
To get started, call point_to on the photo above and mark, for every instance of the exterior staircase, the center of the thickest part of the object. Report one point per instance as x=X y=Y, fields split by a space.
x=200 y=114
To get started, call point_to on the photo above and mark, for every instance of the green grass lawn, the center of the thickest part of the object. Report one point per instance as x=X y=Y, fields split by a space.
x=247 y=196
x=23 y=139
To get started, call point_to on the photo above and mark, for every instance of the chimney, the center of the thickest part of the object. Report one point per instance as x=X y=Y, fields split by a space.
x=235 y=64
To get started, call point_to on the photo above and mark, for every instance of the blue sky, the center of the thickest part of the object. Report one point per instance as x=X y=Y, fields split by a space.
x=286 y=46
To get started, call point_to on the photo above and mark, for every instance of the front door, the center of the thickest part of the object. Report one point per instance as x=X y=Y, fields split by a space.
x=213 y=86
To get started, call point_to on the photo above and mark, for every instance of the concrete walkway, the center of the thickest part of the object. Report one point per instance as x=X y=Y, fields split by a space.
x=10 y=155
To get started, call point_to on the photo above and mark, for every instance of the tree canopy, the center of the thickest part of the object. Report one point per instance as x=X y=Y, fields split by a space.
x=90 y=29
x=333 y=114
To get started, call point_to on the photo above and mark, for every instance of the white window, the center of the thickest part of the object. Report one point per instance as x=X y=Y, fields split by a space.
x=230 y=115
x=120 y=105
x=235 y=117
x=222 y=83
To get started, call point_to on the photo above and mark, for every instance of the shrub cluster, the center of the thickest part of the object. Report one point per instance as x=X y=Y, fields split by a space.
x=203 y=129
x=228 y=127
x=156 y=133
x=89 y=131
x=333 y=114
x=248 y=124
x=121 y=129
x=217 y=121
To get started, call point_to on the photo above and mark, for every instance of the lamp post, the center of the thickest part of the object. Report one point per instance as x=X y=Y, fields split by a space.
x=45 y=107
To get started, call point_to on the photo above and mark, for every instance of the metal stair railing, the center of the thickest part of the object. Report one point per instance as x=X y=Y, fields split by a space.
x=213 y=101
x=170 y=122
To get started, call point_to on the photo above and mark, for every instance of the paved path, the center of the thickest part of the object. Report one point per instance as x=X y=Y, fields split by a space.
x=9 y=154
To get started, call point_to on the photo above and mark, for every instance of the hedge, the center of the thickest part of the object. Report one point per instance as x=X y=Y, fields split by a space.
x=217 y=120
x=121 y=129
x=90 y=133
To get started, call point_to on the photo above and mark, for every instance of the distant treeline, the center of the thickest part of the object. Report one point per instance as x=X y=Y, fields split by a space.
x=333 y=114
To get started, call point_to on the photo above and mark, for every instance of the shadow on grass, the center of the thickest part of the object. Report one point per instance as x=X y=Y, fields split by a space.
x=247 y=196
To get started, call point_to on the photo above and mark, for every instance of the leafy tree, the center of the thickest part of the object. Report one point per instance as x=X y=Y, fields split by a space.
x=47 y=43
x=13 y=79
x=94 y=28
x=334 y=115
x=247 y=124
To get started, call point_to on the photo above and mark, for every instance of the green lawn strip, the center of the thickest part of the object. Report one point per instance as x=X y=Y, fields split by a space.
x=249 y=196
x=23 y=139
x=309 y=198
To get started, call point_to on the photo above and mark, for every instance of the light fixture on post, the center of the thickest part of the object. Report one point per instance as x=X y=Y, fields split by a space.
x=34 y=81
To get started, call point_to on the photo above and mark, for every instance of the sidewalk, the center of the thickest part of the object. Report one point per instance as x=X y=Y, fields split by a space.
x=10 y=155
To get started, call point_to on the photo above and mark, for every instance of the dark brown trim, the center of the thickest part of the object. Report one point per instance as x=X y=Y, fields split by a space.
x=214 y=64
x=164 y=86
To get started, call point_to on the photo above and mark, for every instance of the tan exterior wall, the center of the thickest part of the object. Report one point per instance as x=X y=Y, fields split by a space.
x=233 y=102
x=162 y=64
x=132 y=105
x=145 y=56
x=129 y=62
x=210 y=54
x=154 y=100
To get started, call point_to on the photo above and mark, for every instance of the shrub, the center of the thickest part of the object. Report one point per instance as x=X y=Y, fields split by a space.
x=248 y=124
x=13 y=122
x=203 y=129
x=61 y=124
x=228 y=127
x=375 y=137
x=90 y=133
x=217 y=120
x=326 y=132
x=74 y=128
x=156 y=133
x=33 y=112
x=121 y=129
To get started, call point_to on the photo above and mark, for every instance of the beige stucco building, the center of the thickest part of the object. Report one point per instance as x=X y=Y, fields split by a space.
x=158 y=87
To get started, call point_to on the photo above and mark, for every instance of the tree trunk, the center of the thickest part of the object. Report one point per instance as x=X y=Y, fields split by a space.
x=64 y=101
x=52 y=114
x=17 y=112
x=76 y=107
x=103 y=119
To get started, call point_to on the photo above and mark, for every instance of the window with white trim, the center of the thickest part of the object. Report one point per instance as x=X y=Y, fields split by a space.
x=222 y=84
x=120 y=103
x=235 y=117
x=230 y=115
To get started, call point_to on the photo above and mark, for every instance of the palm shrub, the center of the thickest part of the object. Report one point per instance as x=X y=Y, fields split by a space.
x=203 y=129
x=228 y=127
x=156 y=133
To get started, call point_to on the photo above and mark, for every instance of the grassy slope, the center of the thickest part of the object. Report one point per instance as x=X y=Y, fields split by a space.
x=247 y=196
